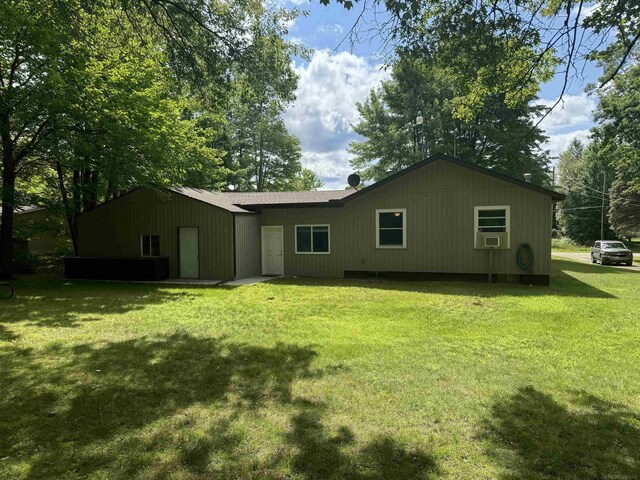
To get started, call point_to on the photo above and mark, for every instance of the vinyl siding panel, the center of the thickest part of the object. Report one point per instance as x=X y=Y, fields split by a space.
x=439 y=200
x=248 y=253
x=114 y=229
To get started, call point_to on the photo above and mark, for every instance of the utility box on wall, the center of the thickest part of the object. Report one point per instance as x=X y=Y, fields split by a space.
x=492 y=240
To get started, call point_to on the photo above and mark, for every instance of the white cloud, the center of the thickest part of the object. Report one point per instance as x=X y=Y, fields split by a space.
x=328 y=89
x=570 y=119
x=287 y=3
x=559 y=142
x=573 y=111
x=332 y=167
x=336 y=29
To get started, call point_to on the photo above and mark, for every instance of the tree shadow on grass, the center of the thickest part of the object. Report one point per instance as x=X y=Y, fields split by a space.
x=156 y=407
x=322 y=455
x=57 y=303
x=96 y=393
x=578 y=266
x=536 y=437
x=7 y=335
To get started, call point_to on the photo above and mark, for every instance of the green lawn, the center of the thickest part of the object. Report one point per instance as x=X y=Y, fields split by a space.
x=304 y=379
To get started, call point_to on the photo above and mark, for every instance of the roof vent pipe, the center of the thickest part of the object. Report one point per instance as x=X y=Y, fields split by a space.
x=527 y=177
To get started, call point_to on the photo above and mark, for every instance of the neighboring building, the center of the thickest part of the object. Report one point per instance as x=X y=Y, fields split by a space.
x=39 y=231
x=442 y=217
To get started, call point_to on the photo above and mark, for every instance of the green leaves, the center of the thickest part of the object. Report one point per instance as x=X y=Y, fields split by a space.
x=260 y=153
x=493 y=130
x=617 y=142
x=581 y=175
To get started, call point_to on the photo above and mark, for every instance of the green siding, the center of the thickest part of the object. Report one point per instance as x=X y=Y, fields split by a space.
x=248 y=253
x=114 y=229
x=439 y=200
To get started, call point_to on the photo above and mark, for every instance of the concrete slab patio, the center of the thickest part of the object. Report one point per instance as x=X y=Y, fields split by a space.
x=168 y=281
x=248 y=281
x=190 y=281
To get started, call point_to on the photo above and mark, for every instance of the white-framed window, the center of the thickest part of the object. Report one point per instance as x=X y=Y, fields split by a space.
x=391 y=228
x=313 y=239
x=492 y=218
x=149 y=245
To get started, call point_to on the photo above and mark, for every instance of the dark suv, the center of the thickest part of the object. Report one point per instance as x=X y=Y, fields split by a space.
x=610 y=252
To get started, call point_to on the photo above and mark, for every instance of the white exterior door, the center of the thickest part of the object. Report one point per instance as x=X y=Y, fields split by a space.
x=272 y=251
x=189 y=252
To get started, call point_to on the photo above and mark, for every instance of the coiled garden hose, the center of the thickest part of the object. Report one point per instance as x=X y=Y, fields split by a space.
x=524 y=257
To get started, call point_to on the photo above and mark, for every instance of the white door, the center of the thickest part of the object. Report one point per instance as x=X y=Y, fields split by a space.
x=189 y=252
x=272 y=257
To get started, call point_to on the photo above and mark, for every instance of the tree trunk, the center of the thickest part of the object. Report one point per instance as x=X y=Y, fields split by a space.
x=6 y=227
x=68 y=209
x=8 y=197
x=260 y=186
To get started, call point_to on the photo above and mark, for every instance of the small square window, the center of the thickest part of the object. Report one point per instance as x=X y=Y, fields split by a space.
x=491 y=219
x=150 y=245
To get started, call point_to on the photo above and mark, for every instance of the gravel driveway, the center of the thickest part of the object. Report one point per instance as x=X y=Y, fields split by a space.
x=585 y=257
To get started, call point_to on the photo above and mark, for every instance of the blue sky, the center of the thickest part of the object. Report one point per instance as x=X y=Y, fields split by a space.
x=339 y=75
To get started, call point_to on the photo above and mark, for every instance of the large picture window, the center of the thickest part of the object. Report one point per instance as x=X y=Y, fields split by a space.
x=150 y=245
x=312 y=239
x=391 y=228
x=492 y=219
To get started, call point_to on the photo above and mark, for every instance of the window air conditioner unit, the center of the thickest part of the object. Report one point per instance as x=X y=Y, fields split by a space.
x=492 y=242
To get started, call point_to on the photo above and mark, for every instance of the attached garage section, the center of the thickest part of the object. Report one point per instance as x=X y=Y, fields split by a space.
x=195 y=237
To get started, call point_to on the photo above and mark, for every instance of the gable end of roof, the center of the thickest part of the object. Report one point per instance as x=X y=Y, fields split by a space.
x=463 y=163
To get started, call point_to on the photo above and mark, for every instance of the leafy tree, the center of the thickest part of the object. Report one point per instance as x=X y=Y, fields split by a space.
x=34 y=60
x=498 y=134
x=261 y=154
x=581 y=174
x=127 y=124
x=624 y=209
x=618 y=139
x=115 y=93
x=306 y=180
x=613 y=32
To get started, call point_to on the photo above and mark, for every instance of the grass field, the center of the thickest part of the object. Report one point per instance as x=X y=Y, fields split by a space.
x=304 y=379
x=564 y=244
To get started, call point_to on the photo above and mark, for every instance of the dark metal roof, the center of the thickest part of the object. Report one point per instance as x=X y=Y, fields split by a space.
x=217 y=199
x=246 y=202
x=276 y=198
x=28 y=209
x=463 y=163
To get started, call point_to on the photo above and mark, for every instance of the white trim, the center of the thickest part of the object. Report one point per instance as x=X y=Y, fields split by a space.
x=295 y=237
x=404 y=227
x=262 y=245
x=506 y=208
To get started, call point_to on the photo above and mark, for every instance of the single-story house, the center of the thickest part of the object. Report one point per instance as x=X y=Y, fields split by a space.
x=442 y=217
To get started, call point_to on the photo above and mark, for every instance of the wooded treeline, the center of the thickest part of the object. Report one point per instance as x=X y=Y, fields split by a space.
x=603 y=174
x=98 y=97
